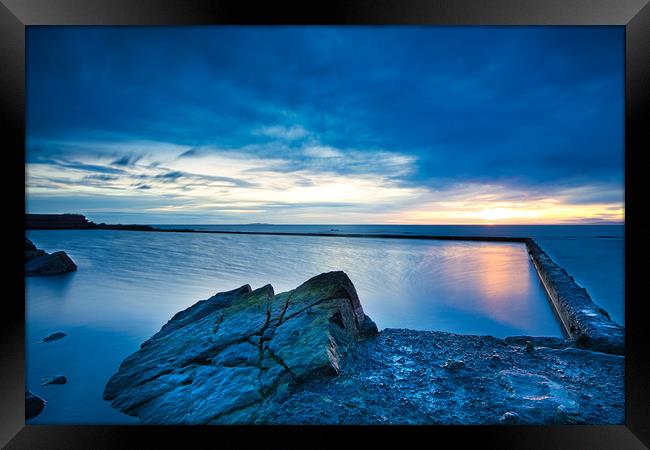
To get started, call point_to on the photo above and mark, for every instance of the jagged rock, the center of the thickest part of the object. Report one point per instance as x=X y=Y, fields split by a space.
x=39 y=263
x=233 y=357
x=31 y=252
x=54 y=337
x=33 y=405
x=56 y=379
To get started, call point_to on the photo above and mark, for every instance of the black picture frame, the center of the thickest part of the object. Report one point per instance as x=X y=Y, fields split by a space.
x=15 y=15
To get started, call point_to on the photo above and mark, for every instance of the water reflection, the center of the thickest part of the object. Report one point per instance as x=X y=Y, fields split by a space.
x=504 y=291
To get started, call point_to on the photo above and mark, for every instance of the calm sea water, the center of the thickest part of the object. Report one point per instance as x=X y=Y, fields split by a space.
x=130 y=283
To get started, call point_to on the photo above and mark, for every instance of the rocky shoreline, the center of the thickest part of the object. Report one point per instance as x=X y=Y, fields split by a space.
x=436 y=378
x=311 y=356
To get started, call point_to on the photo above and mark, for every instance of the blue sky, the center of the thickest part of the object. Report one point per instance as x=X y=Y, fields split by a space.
x=326 y=124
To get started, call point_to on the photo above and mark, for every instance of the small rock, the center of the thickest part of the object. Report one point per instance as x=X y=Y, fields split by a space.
x=56 y=379
x=33 y=405
x=54 y=337
x=530 y=347
x=509 y=418
x=39 y=263
x=453 y=365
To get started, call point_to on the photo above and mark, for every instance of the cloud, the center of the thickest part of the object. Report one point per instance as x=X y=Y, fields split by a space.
x=289 y=133
x=100 y=177
x=170 y=177
x=191 y=152
x=357 y=117
x=82 y=166
x=126 y=160
x=319 y=151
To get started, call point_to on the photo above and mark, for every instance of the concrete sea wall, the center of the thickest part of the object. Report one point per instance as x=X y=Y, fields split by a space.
x=585 y=322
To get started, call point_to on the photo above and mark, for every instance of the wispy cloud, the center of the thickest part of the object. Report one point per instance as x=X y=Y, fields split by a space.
x=126 y=160
x=289 y=133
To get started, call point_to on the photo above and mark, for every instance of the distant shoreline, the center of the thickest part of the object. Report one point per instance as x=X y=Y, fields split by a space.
x=79 y=222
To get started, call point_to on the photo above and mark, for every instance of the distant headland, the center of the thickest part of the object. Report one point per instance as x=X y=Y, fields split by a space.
x=74 y=222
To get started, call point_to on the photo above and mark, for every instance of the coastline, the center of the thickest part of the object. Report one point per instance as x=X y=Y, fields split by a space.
x=465 y=358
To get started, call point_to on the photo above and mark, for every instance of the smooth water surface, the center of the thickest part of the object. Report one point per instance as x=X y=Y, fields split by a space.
x=593 y=254
x=130 y=283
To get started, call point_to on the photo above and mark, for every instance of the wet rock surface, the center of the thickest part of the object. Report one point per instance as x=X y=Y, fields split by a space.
x=234 y=357
x=40 y=263
x=423 y=377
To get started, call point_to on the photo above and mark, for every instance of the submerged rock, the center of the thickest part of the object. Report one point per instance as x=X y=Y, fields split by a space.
x=40 y=263
x=234 y=357
x=33 y=405
x=56 y=379
x=54 y=337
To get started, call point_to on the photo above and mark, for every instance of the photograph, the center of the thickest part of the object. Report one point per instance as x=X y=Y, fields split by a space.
x=325 y=225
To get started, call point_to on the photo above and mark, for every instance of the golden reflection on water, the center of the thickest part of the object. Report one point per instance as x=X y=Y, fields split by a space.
x=504 y=283
x=488 y=280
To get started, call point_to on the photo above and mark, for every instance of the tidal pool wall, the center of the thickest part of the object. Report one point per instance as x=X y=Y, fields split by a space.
x=585 y=322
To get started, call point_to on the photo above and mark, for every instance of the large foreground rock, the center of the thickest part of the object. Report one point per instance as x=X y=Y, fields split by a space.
x=39 y=263
x=234 y=357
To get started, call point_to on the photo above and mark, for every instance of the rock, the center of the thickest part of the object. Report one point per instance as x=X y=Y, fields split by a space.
x=452 y=365
x=56 y=379
x=510 y=418
x=40 y=263
x=232 y=358
x=54 y=337
x=557 y=386
x=33 y=405
x=31 y=251
x=54 y=264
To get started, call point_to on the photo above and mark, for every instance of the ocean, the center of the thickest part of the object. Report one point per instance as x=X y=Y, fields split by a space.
x=130 y=283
